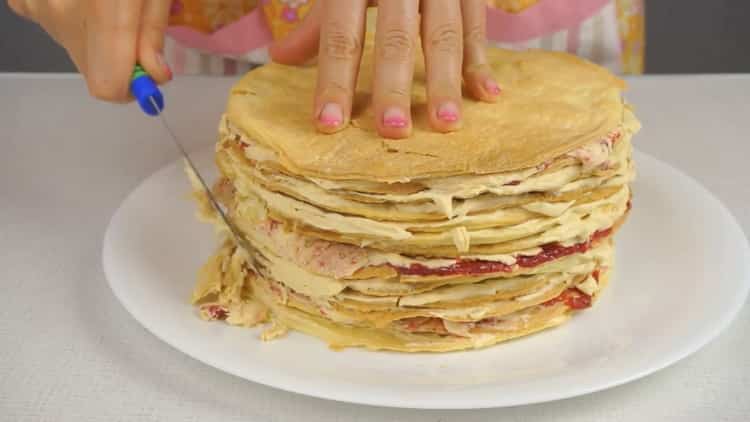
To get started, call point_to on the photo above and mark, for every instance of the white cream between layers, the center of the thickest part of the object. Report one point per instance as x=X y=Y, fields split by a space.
x=442 y=191
x=601 y=215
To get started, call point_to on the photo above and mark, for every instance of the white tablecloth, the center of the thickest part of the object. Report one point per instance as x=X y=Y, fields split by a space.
x=70 y=352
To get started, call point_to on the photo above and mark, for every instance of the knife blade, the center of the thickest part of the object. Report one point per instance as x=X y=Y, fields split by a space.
x=151 y=101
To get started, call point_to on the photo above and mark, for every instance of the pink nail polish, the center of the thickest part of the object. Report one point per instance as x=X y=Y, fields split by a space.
x=448 y=112
x=492 y=87
x=331 y=115
x=164 y=65
x=394 y=117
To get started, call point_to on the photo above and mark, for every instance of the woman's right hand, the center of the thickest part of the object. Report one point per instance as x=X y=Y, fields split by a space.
x=453 y=36
x=106 y=38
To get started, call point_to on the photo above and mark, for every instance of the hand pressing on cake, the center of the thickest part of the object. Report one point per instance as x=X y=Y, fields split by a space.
x=453 y=39
x=105 y=38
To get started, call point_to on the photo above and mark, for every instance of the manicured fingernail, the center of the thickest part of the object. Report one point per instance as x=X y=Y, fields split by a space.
x=394 y=117
x=164 y=65
x=331 y=115
x=492 y=87
x=448 y=112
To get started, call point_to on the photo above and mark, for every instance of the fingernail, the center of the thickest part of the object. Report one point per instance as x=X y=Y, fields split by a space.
x=492 y=87
x=331 y=115
x=448 y=112
x=394 y=117
x=164 y=65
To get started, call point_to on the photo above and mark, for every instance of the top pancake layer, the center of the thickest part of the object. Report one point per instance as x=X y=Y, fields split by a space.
x=551 y=103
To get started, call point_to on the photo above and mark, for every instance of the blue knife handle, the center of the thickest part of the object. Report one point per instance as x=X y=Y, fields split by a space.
x=144 y=89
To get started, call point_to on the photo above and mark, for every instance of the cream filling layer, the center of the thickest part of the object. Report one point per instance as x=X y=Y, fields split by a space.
x=568 y=225
x=442 y=191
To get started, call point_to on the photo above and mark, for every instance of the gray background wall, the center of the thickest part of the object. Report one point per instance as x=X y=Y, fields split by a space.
x=683 y=36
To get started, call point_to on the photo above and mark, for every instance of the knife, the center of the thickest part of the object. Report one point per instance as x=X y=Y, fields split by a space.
x=151 y=101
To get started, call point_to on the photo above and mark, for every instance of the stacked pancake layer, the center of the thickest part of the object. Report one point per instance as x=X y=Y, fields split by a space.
x=431 y=262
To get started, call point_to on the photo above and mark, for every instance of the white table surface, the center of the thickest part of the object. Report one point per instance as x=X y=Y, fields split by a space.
x=70 y=352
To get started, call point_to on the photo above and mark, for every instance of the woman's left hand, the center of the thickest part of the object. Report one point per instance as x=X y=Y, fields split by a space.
x=453 y=34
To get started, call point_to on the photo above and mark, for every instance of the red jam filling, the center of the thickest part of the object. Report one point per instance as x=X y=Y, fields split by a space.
x=424 y=324
x=216 y=312
x=460 y=267
x=549 y=252
x=573 y=298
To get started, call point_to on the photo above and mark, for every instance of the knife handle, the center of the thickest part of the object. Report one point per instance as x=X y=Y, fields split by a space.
x=143 y=88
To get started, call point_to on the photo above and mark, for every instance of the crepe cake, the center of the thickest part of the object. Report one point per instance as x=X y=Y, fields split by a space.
x=438 y=242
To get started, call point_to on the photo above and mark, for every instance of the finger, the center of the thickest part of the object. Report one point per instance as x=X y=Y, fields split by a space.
x=74 y=41
x=394 y=66
x=66 y=25
x=21 y=8
x=300 y=45
x=340 y=52
x=154 y=18
x=443 y=49
x=111 y=36
x=78 y=57
x=478 y=79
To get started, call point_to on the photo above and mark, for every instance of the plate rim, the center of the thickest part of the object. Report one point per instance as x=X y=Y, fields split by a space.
x=302 y=387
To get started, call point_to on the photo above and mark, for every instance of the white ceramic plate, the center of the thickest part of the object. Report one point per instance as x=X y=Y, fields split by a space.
x=683 y=272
